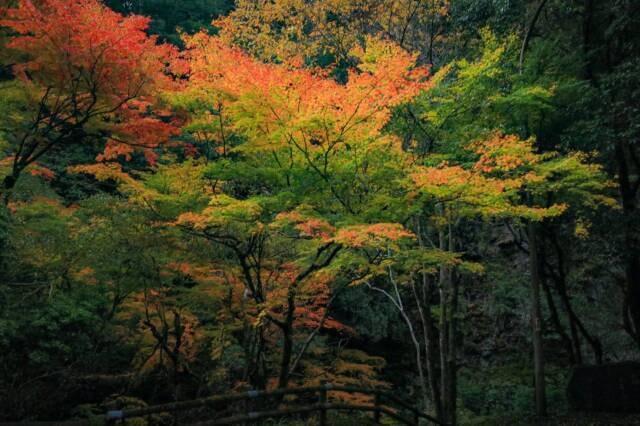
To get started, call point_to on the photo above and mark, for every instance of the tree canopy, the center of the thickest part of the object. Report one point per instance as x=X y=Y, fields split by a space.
x=436 y=198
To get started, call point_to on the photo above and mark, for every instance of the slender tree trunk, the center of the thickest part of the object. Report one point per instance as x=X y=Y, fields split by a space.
x=287 y=336
x=448 y=332
x=587 y=23
x=428 y=333
x=536 y=323
x=452 y=364
x=8 y=184
x=397 y=302
x=418 y=354
x=555 y=319
x=631 y=246
x=529 y=33
x=444 y=331
x=287 y=352
x=577 y=327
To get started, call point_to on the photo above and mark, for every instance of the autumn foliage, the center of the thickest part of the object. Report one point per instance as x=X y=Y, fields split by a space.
x=90 y=72
x=244 y=209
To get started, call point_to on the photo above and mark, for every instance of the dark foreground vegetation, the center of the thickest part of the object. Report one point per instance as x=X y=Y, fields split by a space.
x=436 y=198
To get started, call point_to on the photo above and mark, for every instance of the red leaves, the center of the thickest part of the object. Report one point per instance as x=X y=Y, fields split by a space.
x=97 y=66
x=67 y=39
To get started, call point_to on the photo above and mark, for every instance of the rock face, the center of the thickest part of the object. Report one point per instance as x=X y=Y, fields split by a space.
x=613 y=388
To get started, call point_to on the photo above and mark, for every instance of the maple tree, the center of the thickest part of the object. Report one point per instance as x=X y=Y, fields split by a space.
x=304 y=121
x=290 y=196
x=84 y=73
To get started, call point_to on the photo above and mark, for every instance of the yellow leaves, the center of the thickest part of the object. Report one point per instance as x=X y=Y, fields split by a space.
x=379 y=235
x=197 y=221
x=376 y=52
x=223 y=211
x=351 y=367
x=282 y=30
x=454 y=184
x=107 y=171
x=288 y=31
x=537 y=214
x=582 y=229
x=506 y=168
x=230 y=208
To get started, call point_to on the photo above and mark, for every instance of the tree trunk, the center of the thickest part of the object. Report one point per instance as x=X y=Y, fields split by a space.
x=536 y=324
x=448 y=333
x=287 y=336
x=285 y=361
x=427 y=334
x=555 y=319
x=631 y=252
x=452 y=364
x=444 y=330
x=8 y=184
x=587 y=23
x=577 y=327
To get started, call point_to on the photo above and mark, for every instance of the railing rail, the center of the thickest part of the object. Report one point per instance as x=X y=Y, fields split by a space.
x=322 y=406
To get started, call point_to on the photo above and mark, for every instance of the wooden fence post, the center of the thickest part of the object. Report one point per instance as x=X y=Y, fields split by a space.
x=376 y=411
x=323 y=405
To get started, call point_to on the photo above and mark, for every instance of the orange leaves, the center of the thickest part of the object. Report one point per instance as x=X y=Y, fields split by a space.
x=308 y=227
x=377 y=235
x=504 y=163
x=504 y=153
x=43 y=172
x=442 y=175
x=316 y=228
x=275 y=105
x=196 y=221
x=113 y=150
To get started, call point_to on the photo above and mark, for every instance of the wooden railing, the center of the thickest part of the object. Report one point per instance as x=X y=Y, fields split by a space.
x=384 y=403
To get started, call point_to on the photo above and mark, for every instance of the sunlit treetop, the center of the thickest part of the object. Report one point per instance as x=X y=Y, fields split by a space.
x=277 y=105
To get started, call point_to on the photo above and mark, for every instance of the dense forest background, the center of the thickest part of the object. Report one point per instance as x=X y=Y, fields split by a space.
x=435 y=197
